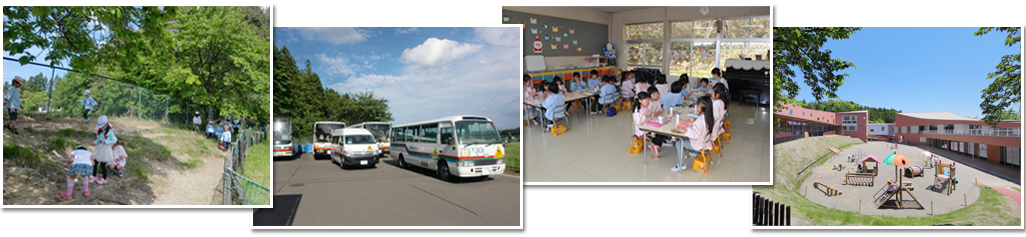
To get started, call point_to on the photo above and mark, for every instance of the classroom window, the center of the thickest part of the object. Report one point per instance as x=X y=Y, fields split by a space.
x=644 y=31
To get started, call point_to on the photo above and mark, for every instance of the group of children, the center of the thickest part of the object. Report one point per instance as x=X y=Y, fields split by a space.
x=222 y=131
x=108 y=157
x=710 y=108
x=12 y=102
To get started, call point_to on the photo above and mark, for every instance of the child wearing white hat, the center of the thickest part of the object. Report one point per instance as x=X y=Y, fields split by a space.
x=89 y=104
x=103 y=154
x=12 y=102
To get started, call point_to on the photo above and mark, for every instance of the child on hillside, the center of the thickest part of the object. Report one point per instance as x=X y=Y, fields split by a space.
x=235 y=126
x=554 y=99
x=103 y=153
x=81 y=161
x=88 y=102
x=12 y=102
x=698 y=135
x=210 y=129
x=196 y=120
x=120 y=159
x=226 y=139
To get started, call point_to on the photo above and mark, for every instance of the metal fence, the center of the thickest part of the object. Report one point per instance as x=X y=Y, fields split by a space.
x=236 y=188
x=57 y=91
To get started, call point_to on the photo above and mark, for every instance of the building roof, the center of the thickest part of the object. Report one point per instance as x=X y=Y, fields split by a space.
x=939 y=116
x=863 y=111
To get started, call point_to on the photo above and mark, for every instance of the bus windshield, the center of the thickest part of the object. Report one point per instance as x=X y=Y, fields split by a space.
x=322 y=132
x=380 y=131
x=282 y=132
x=359 y=139
x=477 y=132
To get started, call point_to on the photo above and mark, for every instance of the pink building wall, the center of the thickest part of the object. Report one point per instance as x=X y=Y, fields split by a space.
x=862 y=125
x=810 y=114
x=901 y=120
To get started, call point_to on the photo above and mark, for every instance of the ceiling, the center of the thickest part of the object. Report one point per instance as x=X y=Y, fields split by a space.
x=618 y=9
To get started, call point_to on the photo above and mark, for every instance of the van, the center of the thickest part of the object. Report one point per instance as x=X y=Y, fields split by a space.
x=354 y=147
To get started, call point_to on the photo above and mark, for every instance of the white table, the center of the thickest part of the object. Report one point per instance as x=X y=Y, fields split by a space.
x=536 y=100
x=667 y=130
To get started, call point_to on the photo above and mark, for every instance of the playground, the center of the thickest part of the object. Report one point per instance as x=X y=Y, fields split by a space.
x=818 y=195
x=923 y=192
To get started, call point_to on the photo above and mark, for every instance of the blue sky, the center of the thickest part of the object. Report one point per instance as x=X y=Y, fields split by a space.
x=425 y=73
x=928 y=69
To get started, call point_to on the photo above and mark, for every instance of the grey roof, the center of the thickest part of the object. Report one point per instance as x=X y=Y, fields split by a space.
x=939 y=116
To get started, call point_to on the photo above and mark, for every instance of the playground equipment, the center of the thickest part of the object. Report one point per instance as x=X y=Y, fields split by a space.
x=913 y=171
x=865 y=166
x=860 y=179
x=830 y=191
x=897 y=160
x=944 y=182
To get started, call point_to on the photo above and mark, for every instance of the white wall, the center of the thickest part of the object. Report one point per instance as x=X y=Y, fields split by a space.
x=881 y=129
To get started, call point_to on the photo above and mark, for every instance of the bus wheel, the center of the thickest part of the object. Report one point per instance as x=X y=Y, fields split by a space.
x=443 y=171
x=402 y=162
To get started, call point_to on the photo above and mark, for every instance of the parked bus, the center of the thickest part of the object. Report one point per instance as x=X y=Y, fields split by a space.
x=282 y=136
x=380 y=130
x=455 y=146
x=354 y=147
x=322 y=136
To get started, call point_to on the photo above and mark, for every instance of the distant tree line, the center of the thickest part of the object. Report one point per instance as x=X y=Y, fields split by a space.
x=876 y=115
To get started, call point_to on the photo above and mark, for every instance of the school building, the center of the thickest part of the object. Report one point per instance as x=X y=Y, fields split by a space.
x=945 y=130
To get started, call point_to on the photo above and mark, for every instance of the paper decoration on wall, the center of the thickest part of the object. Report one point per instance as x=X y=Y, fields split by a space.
x=537 y=45
x=505 y=19
x=574 y=41
x=559 y=39
x=534 y=31
x=579 y=48
x=534 y=20
x=546 y=38
x=565 y=35
x=566 y=46
x=553 y=46
x=555 y=28
x=571 y=31
x=545 y=26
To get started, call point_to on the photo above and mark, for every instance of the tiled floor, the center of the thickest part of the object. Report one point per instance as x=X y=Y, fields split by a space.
x=596 y=150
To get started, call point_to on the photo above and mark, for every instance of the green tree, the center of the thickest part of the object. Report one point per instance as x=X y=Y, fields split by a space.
x=1007 y=85
x=81 y=34
x=801 y=48
x=1009 y=114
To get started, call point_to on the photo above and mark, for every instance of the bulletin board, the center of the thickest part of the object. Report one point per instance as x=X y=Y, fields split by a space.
x=565 y=34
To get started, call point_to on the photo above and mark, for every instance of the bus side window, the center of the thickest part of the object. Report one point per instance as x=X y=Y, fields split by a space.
x=430 y=133
x=411 y=133
x=446 y=134
x=397 y=135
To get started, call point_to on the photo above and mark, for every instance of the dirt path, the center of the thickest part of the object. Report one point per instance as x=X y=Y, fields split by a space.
x=182 y=167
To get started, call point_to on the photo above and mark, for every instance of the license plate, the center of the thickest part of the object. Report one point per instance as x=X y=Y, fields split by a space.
x=363 y=162
x=485 y=171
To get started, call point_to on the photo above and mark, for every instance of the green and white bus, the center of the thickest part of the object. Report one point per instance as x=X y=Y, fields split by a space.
x=455 y=146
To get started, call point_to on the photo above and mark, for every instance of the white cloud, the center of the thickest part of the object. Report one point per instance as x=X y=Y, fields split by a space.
x=507 y=36
x=333 y=35
x=434 y=52
x=341 y=65
x=406 y=30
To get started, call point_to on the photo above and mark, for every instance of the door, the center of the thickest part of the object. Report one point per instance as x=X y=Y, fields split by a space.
x=447 y=141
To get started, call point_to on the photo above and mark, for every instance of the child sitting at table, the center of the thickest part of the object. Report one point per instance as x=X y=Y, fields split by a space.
x=719 y=108
x=642 y=83
x=660 y=83
x=640 y=114
x=595 y=81
x=685 y=85
x=698 y=135
x=607 y=93
x=674 y=98
x=551 y=101
x=559 y=81
x=626 y=89
x=656 y=108
x=703 y=88
x=576 y=84
x=529 y=93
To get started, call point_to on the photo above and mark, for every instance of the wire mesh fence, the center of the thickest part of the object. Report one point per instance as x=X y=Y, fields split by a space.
x=236 y=188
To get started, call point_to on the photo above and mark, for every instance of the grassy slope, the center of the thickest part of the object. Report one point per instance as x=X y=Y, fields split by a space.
x=258 y=160
x=991 y=209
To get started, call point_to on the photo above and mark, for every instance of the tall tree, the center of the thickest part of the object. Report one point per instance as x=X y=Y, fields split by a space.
x=80 y=33
x=801 y=48
x=1007 y=85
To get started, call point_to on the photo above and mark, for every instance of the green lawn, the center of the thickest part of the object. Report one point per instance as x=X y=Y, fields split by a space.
x=258 y=163
x=513 y=157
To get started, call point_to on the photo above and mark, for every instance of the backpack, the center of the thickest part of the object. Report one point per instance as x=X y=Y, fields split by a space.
x=637 y=145
x=611 y=112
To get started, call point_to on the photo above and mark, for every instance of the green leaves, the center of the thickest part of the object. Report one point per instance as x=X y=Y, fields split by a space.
x=800 y=47
x=1004 y=91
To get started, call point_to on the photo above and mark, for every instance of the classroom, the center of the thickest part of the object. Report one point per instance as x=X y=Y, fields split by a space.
x=581 y=141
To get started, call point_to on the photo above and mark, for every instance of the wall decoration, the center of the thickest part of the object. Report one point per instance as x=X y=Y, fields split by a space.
x=565 y=35
x=571 y=31
x=574 y=41
x=555 y=28
x=534 y=31
x=564 y=28
x=537 y=45
x=546 y=38
x=579 y=48
x=566 y=46
x=534 y=20
x=553 y=46
x=545 y=26
x=559 y=39
x=505 y=19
